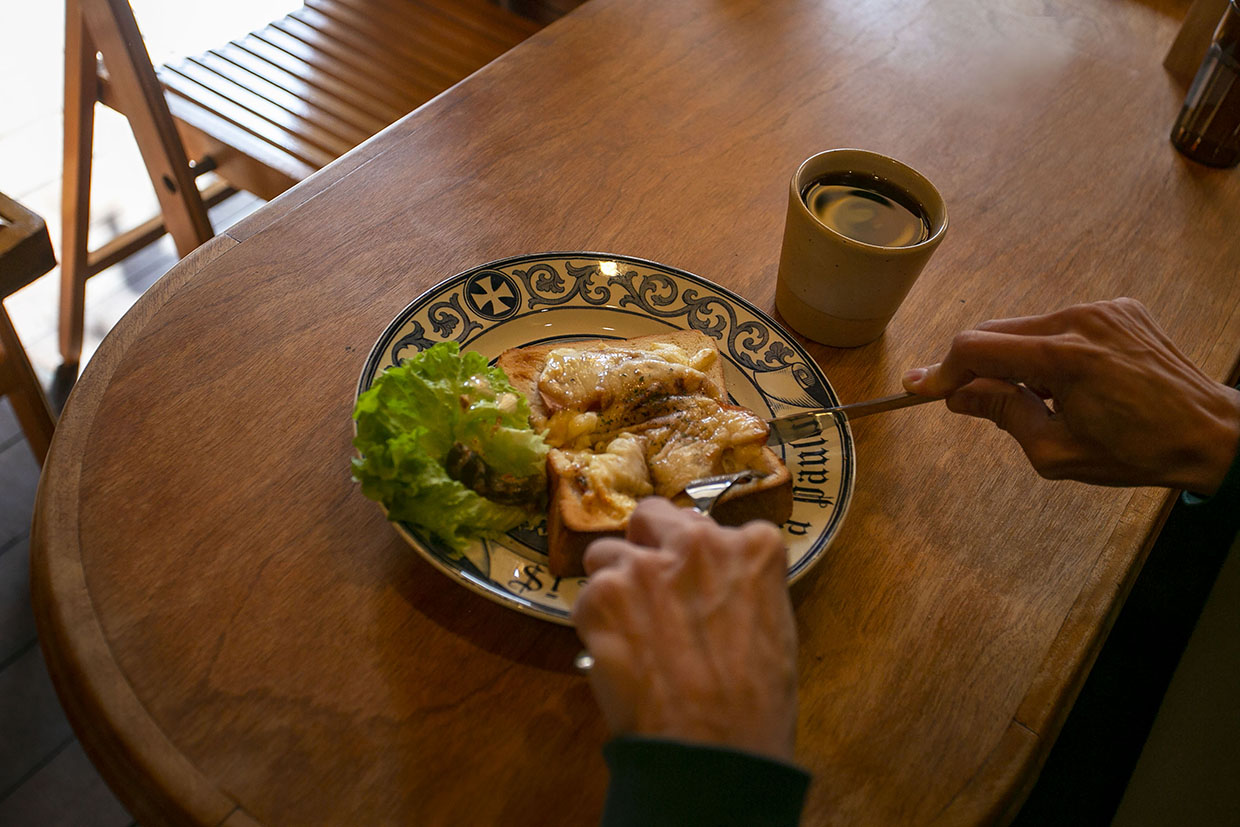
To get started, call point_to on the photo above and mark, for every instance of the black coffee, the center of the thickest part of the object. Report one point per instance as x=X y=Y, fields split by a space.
x=867 y=208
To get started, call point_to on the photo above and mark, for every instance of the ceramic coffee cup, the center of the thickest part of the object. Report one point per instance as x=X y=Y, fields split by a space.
x=834 y=286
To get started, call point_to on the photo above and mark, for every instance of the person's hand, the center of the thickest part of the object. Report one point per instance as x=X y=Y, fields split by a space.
x=691 y=631
x=1125 y=406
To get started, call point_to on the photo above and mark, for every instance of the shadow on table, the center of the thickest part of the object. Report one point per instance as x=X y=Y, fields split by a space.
x=497 y=629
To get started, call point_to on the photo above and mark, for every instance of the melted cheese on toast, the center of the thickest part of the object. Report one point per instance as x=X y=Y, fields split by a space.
x=635 y=421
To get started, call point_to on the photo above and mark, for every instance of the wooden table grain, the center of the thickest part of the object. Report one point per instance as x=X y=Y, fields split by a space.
x=240 y=638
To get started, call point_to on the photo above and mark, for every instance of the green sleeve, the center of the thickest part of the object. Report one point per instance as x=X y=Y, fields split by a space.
x=664 y=782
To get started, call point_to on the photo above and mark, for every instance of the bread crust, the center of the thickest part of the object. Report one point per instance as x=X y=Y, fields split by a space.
x=570 y=526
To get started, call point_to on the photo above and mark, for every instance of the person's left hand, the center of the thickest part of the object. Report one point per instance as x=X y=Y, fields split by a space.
x=691 y=631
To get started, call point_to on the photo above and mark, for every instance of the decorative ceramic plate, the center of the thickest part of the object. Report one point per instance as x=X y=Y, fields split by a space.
x=551 y=296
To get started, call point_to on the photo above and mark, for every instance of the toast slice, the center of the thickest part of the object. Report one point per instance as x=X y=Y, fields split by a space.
x=663 y=395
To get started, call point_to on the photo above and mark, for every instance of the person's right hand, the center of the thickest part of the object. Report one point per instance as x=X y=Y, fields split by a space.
x=1126 y=407
x=691 y=630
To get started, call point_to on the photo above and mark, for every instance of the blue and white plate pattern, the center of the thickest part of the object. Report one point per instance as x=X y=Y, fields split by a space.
x=564 y=296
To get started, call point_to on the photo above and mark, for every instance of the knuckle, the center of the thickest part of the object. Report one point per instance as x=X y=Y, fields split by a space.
x=1096 y=317
x=605 y=552
x=598 y=598
x=647 y=569
x=1076 y=354
x=1103 y=313
x=604 y=586
x=760 y=548
x=988 y=325
x=966 y=340
x=965 y=347
x=775 y=558
x=1133 y=313
x=763 y=538
x=1081 y=309
x=1082 y=317
x=1063 y=351
x=697 y=535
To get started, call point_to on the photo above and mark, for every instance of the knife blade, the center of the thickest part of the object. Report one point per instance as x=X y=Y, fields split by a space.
x=804 y=425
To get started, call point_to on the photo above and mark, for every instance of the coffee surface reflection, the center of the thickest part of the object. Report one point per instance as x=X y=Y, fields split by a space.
x=868 y=209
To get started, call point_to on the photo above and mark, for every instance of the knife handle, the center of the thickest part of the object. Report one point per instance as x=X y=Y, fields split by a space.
x=887 y=403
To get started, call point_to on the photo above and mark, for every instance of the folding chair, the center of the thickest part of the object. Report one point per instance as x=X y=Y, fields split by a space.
x=263 y=112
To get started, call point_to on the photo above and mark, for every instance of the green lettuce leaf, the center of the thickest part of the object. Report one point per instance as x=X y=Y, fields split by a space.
x=409 y=420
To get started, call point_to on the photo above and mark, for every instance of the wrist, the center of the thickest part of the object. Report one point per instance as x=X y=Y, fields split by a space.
x=1218 y=440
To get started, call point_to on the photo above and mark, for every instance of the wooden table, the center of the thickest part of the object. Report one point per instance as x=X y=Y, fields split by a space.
x=239 y=637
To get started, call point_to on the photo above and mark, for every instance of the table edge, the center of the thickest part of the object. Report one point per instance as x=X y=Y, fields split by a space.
x=150 y=776
x=1004 y=779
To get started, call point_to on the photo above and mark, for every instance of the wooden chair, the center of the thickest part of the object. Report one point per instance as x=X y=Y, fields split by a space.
x=263 y=111
x=25 y=254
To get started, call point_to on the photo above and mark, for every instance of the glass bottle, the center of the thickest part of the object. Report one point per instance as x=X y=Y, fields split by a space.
x=1208 y=128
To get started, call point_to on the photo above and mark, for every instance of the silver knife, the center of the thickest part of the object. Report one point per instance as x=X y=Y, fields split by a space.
x=811 y=423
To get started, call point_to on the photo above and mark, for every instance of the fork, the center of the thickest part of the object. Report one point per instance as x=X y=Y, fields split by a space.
x=706 y=492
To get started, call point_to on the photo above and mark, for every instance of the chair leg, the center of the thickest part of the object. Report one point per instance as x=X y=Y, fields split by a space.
x=81 y=92
x=115 y=32
x=109 y=29
x=19 y=380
